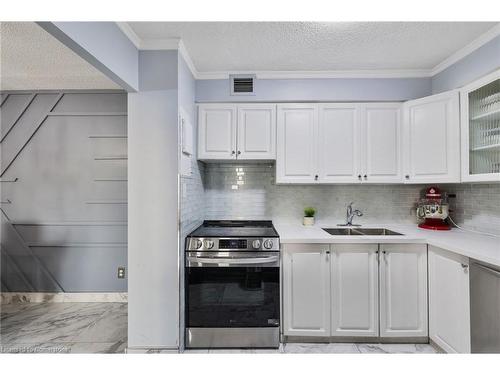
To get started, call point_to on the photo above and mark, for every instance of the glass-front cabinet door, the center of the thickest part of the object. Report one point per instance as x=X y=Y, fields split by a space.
x=480 y=122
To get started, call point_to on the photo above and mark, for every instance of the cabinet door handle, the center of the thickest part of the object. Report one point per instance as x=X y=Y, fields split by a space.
x=359 y=177
x=464 y=266
x=233 y=152
x=316 y=177
x=239 y=152
x=407 y=176
x=365 y=176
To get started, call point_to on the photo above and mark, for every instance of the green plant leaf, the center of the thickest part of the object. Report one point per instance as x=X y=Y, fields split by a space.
x=309 y=211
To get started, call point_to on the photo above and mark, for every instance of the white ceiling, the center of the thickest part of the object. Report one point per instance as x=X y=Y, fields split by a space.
x=314 y=46
x=31 y=59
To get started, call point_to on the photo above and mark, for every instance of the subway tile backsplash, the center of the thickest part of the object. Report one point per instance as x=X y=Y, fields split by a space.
x=248 y=191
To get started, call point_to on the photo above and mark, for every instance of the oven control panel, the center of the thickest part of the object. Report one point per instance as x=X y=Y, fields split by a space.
x=233 y=244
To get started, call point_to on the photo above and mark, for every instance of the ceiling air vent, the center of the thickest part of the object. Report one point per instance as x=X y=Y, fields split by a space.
x=242 y=85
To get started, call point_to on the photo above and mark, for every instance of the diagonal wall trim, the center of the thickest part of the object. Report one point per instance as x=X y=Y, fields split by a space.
x=21 y=113
x=40 y=123
x=18 y=271
x=27 y=249
x=3 y=98
x=80 y=245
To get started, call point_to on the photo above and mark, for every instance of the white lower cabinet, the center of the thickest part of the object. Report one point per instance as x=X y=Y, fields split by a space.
x=449 y=304
x=306 y=290
x=403 y=290
x=364 y=290
x=354 y=290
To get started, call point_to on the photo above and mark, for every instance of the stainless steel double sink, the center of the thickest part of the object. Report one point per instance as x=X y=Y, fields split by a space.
x=361 y=232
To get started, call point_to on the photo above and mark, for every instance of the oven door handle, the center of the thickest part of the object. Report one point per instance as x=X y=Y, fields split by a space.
x=205 y=260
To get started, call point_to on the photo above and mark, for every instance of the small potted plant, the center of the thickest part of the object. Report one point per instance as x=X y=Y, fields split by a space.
x=309 y=215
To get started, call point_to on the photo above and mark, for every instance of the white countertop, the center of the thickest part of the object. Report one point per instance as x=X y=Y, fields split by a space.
x=477 y=246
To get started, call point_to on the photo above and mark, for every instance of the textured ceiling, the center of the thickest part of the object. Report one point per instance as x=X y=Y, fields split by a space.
x=314 y=46
x=31 y=59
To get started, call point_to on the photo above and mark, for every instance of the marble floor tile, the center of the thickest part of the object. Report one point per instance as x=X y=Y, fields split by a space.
x=321 y=348
x=99 y=347
x=387 y=348
x=63 y=327
x=426 y=349
x=231 y=351
x=107 y=328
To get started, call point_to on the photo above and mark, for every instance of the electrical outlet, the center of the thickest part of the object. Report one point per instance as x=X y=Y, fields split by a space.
x=121 y=272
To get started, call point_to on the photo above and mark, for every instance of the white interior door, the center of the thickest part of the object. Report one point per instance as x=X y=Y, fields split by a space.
x=296 y=159
x=403 y=290
x=354 y=288
x=449 y=304
x=432 y=139
x=306 y=290
x=256 y=131
x=382 y=138
x=217 y=131
x=339 y=142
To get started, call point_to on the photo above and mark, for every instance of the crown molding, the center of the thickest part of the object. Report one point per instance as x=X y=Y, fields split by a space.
x=321 y=74
x=129 y=33
x=184 y=53
x=467 y=50
x=177 y=44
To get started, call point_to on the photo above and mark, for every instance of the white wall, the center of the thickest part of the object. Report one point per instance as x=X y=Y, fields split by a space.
x=153 y=255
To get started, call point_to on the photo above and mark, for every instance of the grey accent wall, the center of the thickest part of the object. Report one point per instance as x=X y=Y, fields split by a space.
x=339 y=89
x=64 y=219
x=475 y=207
x=473 y=66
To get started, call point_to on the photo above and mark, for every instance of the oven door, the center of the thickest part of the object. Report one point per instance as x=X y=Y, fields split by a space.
x=227 y=290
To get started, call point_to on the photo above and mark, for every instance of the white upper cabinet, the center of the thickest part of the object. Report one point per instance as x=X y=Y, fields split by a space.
x=237 y=131
x=432 y=139
x=339 y=143
x=256 y=131
x=449 y=301
x=306 y=290
x=480 y=122
x=296 y=159
x=354 y=290
x=403 y=290
x=217 y=131
x=381 y=133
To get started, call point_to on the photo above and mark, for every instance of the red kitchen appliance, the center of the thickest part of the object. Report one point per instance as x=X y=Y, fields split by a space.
x=433 y=210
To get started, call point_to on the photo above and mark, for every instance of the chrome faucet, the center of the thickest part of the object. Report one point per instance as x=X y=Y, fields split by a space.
x=350 y=215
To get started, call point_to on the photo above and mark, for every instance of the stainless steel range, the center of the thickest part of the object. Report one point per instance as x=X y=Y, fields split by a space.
x=232 y=285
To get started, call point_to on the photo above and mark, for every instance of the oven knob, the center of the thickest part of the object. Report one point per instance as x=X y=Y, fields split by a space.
x=197 y=244
x=256 y=244
x=209 y=244
x=268 y=244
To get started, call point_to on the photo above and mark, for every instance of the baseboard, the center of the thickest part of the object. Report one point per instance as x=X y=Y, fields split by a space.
x=38 y=297
x=356 y=339
x=436 y=346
